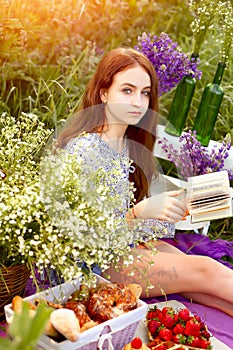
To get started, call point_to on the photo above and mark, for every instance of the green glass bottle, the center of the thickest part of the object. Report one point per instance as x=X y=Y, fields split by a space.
x=181 y=104
x=209 y=107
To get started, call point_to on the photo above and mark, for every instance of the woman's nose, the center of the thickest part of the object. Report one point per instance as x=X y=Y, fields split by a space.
x=137 y=100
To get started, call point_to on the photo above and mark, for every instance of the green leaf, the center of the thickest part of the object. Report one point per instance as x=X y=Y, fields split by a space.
x=26 y=330
x=20 y=326
x=6 y=344
x=38 y=323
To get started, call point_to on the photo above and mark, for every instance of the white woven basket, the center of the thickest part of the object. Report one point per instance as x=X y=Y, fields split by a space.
x=109 y=335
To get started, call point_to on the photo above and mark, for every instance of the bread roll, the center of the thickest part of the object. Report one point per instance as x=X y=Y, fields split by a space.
x=66 y=323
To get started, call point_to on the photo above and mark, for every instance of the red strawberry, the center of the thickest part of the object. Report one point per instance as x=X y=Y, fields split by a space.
x=192 y=327
x=205 y=344
x=178 y=329
x=165 y=310
x=159 y=315
x=152 y=326
x=184 y=314
x=176 y=318
x=165 y=334
x=151 y=314
x=205 y=334
x=136 y=343
x=168 y=321
x=203 y=326
x=179 y=339
x=194 y=341
x=198 y=318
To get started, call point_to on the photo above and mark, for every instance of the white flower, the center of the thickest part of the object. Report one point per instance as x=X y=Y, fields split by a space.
x=52 y=214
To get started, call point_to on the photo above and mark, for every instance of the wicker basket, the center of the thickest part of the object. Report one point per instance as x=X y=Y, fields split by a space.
x=109 y=335
x=13 y=281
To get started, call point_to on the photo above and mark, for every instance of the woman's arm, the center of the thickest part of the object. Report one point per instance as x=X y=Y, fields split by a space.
x=167 y=206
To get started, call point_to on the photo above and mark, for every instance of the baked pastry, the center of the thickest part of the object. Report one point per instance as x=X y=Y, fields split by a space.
x=66 y=323
x=136 y=344
x=136 y=289
x=17 y=304
x=110 y=300
x=154 y=345
x=85 y=308
x=80 y=311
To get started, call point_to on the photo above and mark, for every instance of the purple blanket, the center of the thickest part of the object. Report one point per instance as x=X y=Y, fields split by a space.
x=219 y=324
x=196 y=244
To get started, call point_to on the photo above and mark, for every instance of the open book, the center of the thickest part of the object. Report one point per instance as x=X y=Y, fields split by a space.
x=209 y=196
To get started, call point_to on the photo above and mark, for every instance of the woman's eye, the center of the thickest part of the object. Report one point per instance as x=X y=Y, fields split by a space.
x=146 y=93
x=127 y=91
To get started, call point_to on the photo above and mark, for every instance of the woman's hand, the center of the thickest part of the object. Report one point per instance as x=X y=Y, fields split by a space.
x=167 y=206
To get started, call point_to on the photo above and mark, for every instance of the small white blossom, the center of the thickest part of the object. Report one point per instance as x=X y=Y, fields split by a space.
x=51 y=213
x=205 y=13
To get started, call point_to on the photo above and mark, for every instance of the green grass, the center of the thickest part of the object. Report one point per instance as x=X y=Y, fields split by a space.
x=49 y=50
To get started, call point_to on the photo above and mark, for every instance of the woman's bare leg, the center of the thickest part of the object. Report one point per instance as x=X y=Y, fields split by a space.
x=210 y=300
x=199 y=278
x=201 y=298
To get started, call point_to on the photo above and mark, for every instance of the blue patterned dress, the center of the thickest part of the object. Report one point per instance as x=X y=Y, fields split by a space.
x=99 y=154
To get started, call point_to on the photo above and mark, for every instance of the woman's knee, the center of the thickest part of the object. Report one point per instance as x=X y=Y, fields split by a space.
x=162 y=246
x=208 y=268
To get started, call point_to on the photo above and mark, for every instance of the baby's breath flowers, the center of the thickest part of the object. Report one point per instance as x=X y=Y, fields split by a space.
x=193 y=159
x=82 y=206
x=225 y=17
x=169 y=62
x=55 y=214
x=204 y=12
x=21 y=211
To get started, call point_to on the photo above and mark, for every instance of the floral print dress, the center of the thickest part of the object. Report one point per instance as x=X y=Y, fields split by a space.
x=99 y=154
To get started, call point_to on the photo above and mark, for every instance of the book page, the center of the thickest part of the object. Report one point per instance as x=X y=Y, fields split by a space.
x=209 y=196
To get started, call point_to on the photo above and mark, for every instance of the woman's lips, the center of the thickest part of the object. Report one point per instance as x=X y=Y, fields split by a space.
x=138 y=114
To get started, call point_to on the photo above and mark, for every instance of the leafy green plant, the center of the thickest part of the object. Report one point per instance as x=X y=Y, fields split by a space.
x=52 y=91
x=24 y=330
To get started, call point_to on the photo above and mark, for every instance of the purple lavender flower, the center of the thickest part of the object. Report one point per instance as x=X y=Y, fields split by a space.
x=194 y=159
x=169 y=62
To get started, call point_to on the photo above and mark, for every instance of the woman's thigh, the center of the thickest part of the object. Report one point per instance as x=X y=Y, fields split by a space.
x=164 y=270
x=162 y=246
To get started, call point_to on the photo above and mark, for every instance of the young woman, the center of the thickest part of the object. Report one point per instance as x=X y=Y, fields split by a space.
x=117 y=120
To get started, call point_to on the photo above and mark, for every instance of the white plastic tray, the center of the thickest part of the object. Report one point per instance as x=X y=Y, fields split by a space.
x=142 y=332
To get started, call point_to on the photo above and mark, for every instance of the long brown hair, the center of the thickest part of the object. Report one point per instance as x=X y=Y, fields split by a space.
x=142 y=135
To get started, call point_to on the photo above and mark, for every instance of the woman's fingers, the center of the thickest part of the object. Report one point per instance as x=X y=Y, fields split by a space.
x=167 y=206
x=170 y=215
x=173 y=209
x=176 y=193
x=175 y=204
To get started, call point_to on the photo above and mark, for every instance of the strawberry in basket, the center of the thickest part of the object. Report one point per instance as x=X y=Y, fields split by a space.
x=169 y=327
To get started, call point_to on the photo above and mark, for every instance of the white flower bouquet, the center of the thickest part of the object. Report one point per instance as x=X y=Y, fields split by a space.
x=53 y=214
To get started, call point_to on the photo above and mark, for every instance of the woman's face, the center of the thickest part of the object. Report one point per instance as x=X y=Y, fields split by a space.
x=127 y=99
